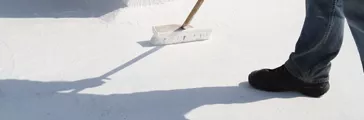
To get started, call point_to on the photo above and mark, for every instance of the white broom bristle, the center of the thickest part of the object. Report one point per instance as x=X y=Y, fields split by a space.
x=170 y=34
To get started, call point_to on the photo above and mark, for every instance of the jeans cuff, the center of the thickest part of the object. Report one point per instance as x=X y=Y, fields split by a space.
x=305 y=75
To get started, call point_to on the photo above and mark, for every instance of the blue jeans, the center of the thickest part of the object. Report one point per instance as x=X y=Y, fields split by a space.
x=322 y=35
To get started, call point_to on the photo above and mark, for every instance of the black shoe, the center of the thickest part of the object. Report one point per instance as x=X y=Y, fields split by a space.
x=280 y=80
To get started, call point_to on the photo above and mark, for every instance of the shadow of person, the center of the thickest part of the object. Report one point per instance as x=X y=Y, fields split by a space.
x=25 y=99
x=61 y=100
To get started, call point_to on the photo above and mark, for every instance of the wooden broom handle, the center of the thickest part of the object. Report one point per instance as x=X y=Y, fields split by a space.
x=193 y=12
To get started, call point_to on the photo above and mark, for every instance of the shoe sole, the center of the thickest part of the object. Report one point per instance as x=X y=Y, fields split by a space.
x=315 y=91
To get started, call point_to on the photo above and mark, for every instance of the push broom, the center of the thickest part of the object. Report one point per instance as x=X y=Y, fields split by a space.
x=175 y=34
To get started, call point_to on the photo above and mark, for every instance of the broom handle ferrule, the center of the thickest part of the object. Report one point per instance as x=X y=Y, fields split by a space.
x=193 y=12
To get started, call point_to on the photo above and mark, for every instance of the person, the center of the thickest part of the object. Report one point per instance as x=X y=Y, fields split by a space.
x=307 y=69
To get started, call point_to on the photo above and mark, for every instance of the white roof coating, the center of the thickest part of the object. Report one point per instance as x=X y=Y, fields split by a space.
x=88 y=60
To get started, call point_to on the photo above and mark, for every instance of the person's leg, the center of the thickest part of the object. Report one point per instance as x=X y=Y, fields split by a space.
x=319 y=43
x=307 y=69
x=354 y=12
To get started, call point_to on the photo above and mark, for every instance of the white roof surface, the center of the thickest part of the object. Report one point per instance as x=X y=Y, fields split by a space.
x=55 y=54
